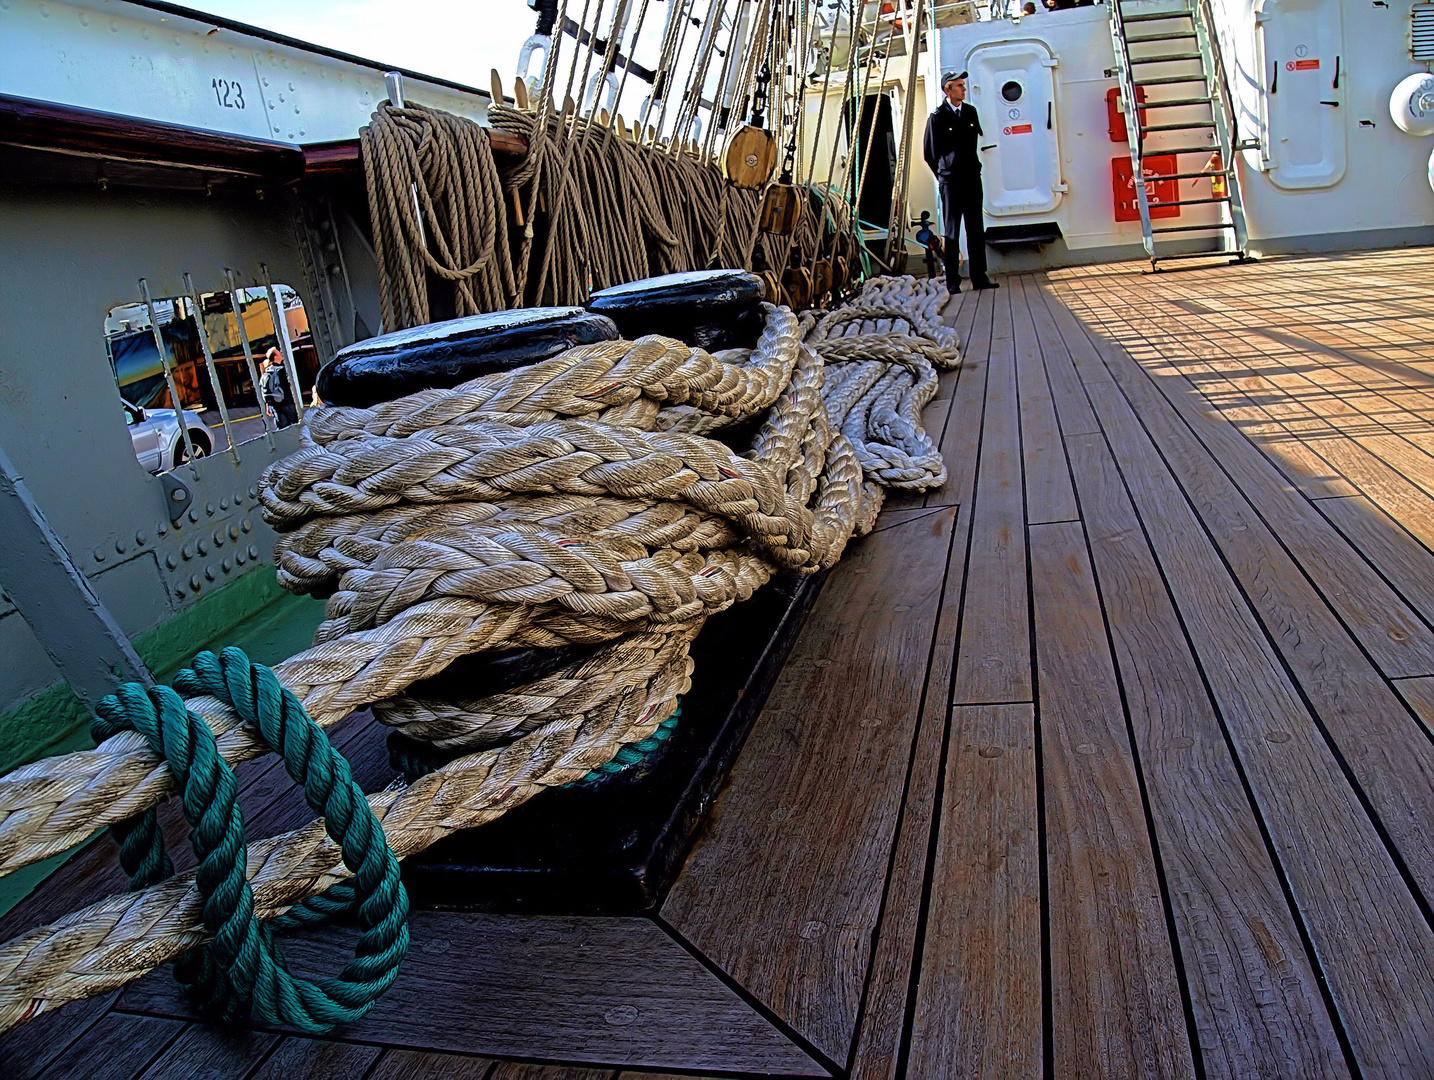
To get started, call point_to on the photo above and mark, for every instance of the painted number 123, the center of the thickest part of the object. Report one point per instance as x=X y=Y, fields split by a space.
x=230 y=95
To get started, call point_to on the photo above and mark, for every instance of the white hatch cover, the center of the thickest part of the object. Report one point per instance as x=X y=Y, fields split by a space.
x=1012 y=86
x=1304 y=77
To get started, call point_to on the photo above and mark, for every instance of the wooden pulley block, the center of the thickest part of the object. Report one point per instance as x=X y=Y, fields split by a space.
x=751 y=157
x=797 y=284
x=822 y=279
x=771 y=287
x=841 y=272
x=781 y=209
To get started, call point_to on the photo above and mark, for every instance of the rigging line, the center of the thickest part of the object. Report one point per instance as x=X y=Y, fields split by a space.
x=665 y=59
x=836 y=137
x=687 y=16
x=871 y=130
x=567 y=125
x=692 y=94
x=627 y=68
x=709 y=139
x=898 y=206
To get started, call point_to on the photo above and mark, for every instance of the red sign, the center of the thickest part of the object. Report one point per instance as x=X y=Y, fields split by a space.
x=1017 y=129
x=1301 y=65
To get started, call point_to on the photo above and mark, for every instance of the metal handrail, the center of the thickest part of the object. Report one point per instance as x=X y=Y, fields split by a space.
x=1226 y=122
x=1132 y=123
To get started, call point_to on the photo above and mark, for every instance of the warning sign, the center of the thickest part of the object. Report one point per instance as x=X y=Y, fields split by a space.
x=1302 y=65
x=1017 y=129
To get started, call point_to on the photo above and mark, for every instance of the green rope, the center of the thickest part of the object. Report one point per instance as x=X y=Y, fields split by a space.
x=633 y=754
x=241 y=970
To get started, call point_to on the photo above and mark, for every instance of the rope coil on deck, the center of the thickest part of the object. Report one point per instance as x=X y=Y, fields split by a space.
x=554 y=505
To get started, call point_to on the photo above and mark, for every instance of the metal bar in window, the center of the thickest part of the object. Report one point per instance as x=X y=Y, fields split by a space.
x=238 y=302
x=286 y=348
x=168 y=363
x=209 y=364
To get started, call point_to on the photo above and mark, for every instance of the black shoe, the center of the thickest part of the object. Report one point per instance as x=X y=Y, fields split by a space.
x=953 y=292
x=988 y=285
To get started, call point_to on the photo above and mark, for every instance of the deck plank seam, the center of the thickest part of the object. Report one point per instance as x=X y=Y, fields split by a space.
x=911 y=757
x=1264 y=520
x=1304 y=439
x=1272 y=853
x=1171 y=927
x=1396 y=858
x=934 y=829
x=748 y=998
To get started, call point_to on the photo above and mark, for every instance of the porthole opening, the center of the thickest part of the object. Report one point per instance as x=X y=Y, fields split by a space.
x=1011 y=91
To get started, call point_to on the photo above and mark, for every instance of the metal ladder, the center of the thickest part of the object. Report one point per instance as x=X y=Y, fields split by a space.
x=1184 y=42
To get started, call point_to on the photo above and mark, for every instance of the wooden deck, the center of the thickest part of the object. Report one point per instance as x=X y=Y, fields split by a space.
x=1112 y=758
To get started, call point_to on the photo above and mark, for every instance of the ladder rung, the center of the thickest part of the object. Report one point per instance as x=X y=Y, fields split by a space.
x=1188 y=126
x=1220 y=254
x=1165 y=58
x=1192 y=175
x=1182 y=202
x=1173 y=103
x=1161 y=37
x=1189 y=228
x=1167 y=80
x=1162 y=151
x=1156 y=16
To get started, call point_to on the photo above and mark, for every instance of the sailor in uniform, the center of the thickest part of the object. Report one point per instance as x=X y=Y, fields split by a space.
x=950 y=151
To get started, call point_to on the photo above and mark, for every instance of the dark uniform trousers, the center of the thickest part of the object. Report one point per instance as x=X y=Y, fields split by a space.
x=963 y=204
x=950 y=149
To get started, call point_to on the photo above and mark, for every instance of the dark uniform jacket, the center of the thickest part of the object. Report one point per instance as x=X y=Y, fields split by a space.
x=951 y=151
x=950 y=144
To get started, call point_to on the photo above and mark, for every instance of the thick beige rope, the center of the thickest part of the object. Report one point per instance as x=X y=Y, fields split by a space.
x=437 y=207
x=511 y=578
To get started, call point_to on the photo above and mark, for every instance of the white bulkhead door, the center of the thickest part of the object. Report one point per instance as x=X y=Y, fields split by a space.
x=1012 y=86
x=1303 y=75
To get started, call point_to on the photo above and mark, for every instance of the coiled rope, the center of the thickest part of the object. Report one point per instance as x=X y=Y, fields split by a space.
x=239 y=969
x=565 y=503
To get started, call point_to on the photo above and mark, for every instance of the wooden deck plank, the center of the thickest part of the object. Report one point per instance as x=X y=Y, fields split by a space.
x=1399 y=642
x=784 y=891
x=27 y=1050
x=1419 y=695
x=978 y=1008
x=512 y=1070
x=993 y=661
x=882 y=1024
x=1371 y=943
x=1047 y=475
x=1391 y=757
x=1392 y=472
x=314 y=1059
x=1405 y=563
x=1255 y=997
x=1115 y=998
x=116 y=1048
x=609 y=990
x=959 y=438
x=205 y=1052
x=411 y=1065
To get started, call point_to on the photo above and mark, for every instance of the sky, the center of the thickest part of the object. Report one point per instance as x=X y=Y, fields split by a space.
x=459 y=40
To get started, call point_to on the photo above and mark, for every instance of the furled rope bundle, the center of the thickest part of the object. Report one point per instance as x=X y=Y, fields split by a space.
x=622 y=210
x=428 y=164
x=627 y=546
